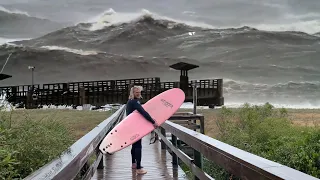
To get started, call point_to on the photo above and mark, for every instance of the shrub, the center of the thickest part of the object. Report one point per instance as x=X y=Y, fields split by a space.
x=7 y=157
x=268 y=132
x=29 y=144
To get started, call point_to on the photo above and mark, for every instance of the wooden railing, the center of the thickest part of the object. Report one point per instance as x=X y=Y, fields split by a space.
x=75 y=161
x=240 y=163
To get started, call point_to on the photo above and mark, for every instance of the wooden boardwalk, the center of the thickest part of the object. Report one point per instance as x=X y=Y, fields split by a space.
x=157 y=162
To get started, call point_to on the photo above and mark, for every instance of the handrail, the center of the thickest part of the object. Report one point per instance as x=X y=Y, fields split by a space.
x=70 y=163
x=240 y=163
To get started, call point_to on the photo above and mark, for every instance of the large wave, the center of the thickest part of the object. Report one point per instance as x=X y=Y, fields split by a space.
x=293 y=94
x=61 y=64
x=148 y=35
x=15 y=23
x=115 y=45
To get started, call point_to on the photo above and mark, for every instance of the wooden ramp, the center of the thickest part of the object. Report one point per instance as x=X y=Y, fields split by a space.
x=157 y=162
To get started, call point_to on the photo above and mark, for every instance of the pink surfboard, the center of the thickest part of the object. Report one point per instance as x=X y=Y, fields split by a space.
x=135 y=126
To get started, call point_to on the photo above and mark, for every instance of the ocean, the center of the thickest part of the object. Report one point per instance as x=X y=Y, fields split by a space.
x=266 y=51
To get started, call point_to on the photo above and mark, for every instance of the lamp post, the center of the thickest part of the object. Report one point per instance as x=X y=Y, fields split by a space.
x=32 y=70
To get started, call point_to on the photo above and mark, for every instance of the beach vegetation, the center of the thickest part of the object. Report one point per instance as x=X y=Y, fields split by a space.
x=29 y=139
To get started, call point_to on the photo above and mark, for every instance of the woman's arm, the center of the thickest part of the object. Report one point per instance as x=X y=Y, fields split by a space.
x=144 y=113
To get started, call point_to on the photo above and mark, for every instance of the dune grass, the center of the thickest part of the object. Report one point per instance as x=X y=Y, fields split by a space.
x=31 y=138
x=288 y=136
x=298 y=117
x=77 y=122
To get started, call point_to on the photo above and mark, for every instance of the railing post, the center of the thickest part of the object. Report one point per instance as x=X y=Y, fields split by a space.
x=197 y=161
x=29 y=100
x=101 y=163
x=201 y=124
x=179 y=144
x=82 y=96
x=174 y=156
x=163 y=132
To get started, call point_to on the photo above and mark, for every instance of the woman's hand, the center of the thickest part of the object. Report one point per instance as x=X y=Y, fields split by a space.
x=155 y=125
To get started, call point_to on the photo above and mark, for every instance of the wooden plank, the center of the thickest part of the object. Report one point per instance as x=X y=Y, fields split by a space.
x=181 y=121
x=240 y=163
x=156 y=161
x=191 y=126
x=185 y=117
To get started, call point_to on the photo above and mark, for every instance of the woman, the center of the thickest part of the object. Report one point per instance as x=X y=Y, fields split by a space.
x=134 y=104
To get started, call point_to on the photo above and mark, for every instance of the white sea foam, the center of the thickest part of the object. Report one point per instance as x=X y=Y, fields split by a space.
x=75 y=51
x=13 y=11
x=310 y=26
x=111 y=17
x=308 y=23
x=187 y=105
x=4 y=105
x=9 y=41
x=276 y=105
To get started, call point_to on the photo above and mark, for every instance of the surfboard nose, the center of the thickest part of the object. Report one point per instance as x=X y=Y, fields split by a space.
x=178 y=91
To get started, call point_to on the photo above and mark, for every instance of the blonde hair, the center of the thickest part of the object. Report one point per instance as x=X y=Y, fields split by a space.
x=131 y=94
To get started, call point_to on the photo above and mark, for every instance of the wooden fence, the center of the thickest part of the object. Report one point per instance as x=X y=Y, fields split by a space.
x=99 y=93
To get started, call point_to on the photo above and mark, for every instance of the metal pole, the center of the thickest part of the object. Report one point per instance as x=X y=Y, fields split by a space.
x=32 y=69
x=195 y=97
x=32 y=79
x=197 y=155
x=195 y=102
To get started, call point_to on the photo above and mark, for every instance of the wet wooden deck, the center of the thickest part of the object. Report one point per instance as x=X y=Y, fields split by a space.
x=157 y=162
